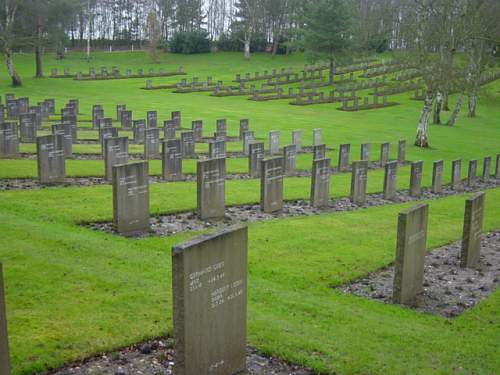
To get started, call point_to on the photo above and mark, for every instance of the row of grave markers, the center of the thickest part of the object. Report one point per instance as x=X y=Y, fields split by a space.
x=210 y=286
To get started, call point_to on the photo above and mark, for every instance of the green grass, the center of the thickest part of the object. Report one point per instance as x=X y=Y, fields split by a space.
x=73 y=292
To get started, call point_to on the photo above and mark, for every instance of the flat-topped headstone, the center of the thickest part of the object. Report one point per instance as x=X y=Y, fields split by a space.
x=365 y=152
x=151 y=119
x=497 y=167
x=255 y=156
x=472 y=173
x=416 y=179
x=221 y=127
x=320 y=183
x=151 y=143
x=9 y=141
x=126 y=120
x=131 y=198
x=486 y=168
x=244 y=127
x=437 y=176
x=274 y=142
x=358 y=181
x=390 y=180
x=169 y=129
x=319 y=152
x=119 y=110
x=209 y=286
x=106 y=122
x=172 y=160
x=50 y=156
x=401 y=151
x=456 y=173
x=105 y=133
x=247 y=137
x=384 y=153
x=97 y=115
x=410 y=255
x=176 y=118
x=139 y=128
x=289 y=160
x=12 y=109
x=187 y=144
x=217 y=149
x=316 y=137
x=66 y=132
x=297 y=139
x=344 y=151
x=211 y=174
x=4 y=337
x=115 y=153
x=271 y=185
x=197 y=128
x=473 y=226
x=27 y=128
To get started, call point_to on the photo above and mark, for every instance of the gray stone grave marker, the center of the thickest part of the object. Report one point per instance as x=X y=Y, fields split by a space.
x=176 y=117
x=473 y=226
x=4 y=337
x=105 y=133
x=344 y=151
x=497 y=167
x=244 y=127
x=172 y=160
x=401 y=151
x=209 y=284
x=316 y=137
x=486 y=168
x=197 y=128
x=274 y=142
x=384 y=153
x=410 y=255
x=9 y=141
x=119 y=110
x=131 y=198
x=50 y=157
x=365 y=151
x=358 y=181
x=319 y=152
x=115 y=153
x=139 y=128
x=66 y=132
x=169 y=128
x=248 y=137
x=187 y=144
x=126 y=120
x=27 y=127
x=320 y=183
x=390 y=180
x=416 y=179
x=255 y=156
x=289 y=160
x=271 y=184
x=221 y=127
x=152 y=144
x=217 y=149
x=211 y=175
x=437 y=177
x=472 y=173
x=296 y=139
x=456 y=176
x=152 y=119
x=97 y=115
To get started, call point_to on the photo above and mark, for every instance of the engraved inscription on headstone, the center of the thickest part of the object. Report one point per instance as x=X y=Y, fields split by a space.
x=209 y=284
x=152 y=119
x=316 y=137
x=274 y=142
x=187 y=144
x=51 y=162
x=410 y=255
x=384 y=154
x=172 y=160
x=473 y=226
x=319 y=152
x=139 y=128
x=66 y=132
x=9 y=142
x=126 y=120
x=320 y=183
x=344 y=151
x=296 y=139
x=390 y=180
x=416 y=178
x=105 y=133
x=248 y=137
x=271 y=185
x=115 y=153
x=131 y=198
x=211 y=174
x=437 y=177
x=152 y=144
x=197 y=128
x=365 y=151
x=27 y=127
x=289 y=157
x=255 y=156
x=358 y=181
x=169 y=128
x=217 y=149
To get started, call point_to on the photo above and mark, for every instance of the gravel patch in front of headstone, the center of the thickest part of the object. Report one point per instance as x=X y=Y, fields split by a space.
x=448 y=289
x=156 y=358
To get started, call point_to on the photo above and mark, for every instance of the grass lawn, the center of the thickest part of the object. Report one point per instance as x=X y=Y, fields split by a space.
x=72 y=292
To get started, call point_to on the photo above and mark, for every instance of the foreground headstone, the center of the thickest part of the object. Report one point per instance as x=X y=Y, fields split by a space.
x=172 y=160
x=217 y=149
x=66 y=131
x=274 y=142
x=115 y=153
x=4 y=338
x=472 y=173
x=437 y=177
x=410 y=255
x=473 y=226
x=344 y=151
x=365 y=152
x=209 y=284
x=271 y=185
x=297 y=139
x=416 y=178
x=211 y=176
x=289 y=160
x=255 y=156
x=320 y=183
x=51 y=162
x=358 y=181
x=384 y=154
x=486 y=168
x=152 y=143
x=456 y=175
x=390 y=180
x=187 y=144
x=401 y=151
x=9 y=142
x=131 y=198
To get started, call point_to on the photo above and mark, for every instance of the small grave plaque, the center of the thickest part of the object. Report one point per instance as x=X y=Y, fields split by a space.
x=248 y=137
x=27 y=127
x=365 y=151
x=497 y=167
x=486 y=168
x=139 y=127
x=169 y=129
x=105 y=133
x=126 y=120
x=66 y=132
x=221 y=128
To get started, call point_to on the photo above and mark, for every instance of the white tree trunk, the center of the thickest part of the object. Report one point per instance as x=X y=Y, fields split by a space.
x=16 y=80
x=422 y=138
x=247 y=48
x=456 y=111
x=89 y=25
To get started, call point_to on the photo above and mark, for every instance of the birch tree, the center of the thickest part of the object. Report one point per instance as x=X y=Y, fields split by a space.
x=8 y=14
